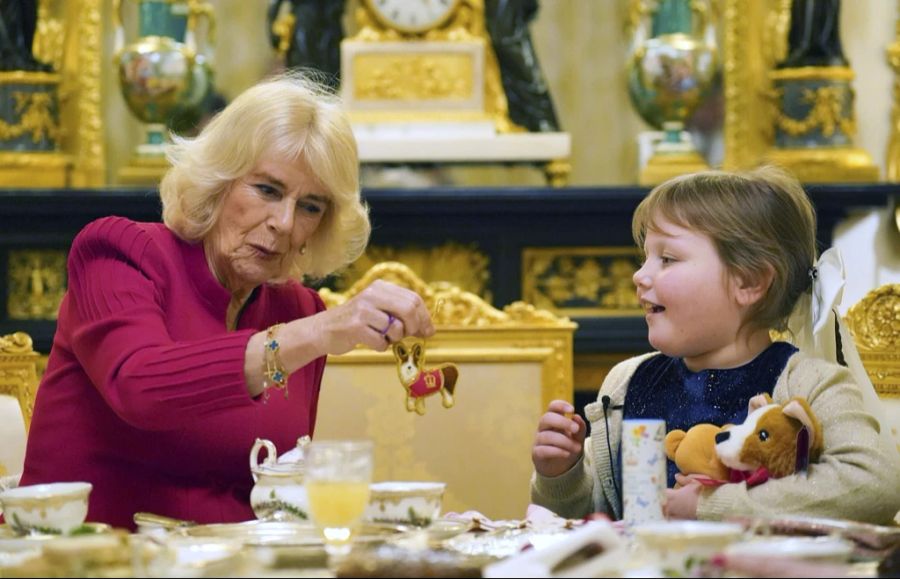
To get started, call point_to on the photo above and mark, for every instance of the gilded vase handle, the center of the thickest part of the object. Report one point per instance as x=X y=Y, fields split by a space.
x=118 y=28
x=196 y=10
x=704 y=28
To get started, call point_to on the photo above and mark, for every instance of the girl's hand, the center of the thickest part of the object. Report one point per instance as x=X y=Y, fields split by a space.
x=559 y=441
x=681 y=503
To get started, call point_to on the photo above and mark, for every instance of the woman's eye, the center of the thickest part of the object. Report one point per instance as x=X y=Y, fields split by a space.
x=266 y=189
x=313 y=208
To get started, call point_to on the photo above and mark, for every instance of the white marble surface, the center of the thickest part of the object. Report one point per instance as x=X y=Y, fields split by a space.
x=442 y=147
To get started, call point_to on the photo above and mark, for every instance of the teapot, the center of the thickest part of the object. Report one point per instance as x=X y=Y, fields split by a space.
x=278 y=493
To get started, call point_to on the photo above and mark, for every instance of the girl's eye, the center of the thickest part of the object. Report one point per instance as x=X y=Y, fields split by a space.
x=666 y=260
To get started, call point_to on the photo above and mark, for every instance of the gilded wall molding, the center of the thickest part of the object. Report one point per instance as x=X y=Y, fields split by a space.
x=755 y=38
x=81 y=92
x=450 y=305
x=36 y=283
x=582 y=281
x=462 y=265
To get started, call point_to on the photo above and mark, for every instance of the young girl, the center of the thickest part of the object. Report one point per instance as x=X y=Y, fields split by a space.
x=728 y=257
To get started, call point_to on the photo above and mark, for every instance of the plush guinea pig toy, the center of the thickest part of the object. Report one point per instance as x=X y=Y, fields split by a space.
x=774 y=440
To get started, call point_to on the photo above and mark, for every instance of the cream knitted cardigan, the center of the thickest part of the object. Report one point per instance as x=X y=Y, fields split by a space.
x=857 y=477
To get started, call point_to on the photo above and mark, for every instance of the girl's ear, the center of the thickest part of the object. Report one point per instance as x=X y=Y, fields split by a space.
x=750 y=289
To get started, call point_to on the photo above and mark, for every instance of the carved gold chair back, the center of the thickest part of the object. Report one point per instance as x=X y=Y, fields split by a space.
x=19 y=376
x=874 y=322
x=512 y=363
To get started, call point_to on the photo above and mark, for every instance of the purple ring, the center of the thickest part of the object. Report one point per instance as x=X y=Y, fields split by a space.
x=390 y=323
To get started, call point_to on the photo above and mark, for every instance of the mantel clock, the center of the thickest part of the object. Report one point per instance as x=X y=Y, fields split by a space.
x=413 y=16
x=423 y=61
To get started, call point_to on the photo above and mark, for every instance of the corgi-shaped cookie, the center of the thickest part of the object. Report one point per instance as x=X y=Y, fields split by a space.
x=421 y=382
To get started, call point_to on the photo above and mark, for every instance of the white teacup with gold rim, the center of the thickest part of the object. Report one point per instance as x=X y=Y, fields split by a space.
x=405 y=502
x=53 y=508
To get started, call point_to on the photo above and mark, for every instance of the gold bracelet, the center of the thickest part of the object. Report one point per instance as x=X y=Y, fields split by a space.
x=275 y=373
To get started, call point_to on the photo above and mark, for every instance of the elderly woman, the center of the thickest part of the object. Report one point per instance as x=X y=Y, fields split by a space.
x=178 y=344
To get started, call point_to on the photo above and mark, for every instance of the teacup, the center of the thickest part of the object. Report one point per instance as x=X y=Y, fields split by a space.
x=409 y=503
x=678 y=547
x=54 y=508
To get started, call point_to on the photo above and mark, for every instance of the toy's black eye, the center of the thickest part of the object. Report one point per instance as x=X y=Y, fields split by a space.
x=763 y=435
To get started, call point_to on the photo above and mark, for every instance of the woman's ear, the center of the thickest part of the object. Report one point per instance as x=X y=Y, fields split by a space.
x=750 y=289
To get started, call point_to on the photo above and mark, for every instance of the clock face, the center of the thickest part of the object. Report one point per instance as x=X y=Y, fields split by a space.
x=413 y=15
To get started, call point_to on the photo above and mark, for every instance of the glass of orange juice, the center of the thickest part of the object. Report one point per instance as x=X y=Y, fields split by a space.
x=338 y=474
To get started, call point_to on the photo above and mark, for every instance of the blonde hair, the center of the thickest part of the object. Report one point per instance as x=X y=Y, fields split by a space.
x=757 y=220
x=288 y=117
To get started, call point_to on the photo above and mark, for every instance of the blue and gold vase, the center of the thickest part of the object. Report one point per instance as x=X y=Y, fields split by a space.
x=671 y=70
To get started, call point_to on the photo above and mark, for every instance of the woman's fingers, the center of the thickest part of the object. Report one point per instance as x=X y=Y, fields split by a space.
x=403 y=304
x=395 y=332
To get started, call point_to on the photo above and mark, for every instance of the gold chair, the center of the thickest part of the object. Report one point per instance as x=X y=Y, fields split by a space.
x=19 y=376
x=874 y=322
x=512 y=363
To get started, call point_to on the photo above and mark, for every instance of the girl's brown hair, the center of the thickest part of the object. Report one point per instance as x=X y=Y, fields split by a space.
x=758 y=220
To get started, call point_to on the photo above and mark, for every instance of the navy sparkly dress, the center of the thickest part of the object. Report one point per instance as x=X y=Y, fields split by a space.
x=663 y=387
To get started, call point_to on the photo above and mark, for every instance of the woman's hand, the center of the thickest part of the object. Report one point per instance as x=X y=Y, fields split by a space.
x=681 y=503
x=559 y=440
x=376 y=317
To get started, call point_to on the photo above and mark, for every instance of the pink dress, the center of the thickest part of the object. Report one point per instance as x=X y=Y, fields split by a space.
x=144 y=394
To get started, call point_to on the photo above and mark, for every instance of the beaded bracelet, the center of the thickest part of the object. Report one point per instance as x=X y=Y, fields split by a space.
x=275 y=373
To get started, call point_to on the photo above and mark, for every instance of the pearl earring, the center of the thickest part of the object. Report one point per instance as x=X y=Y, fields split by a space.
x=303 y=249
